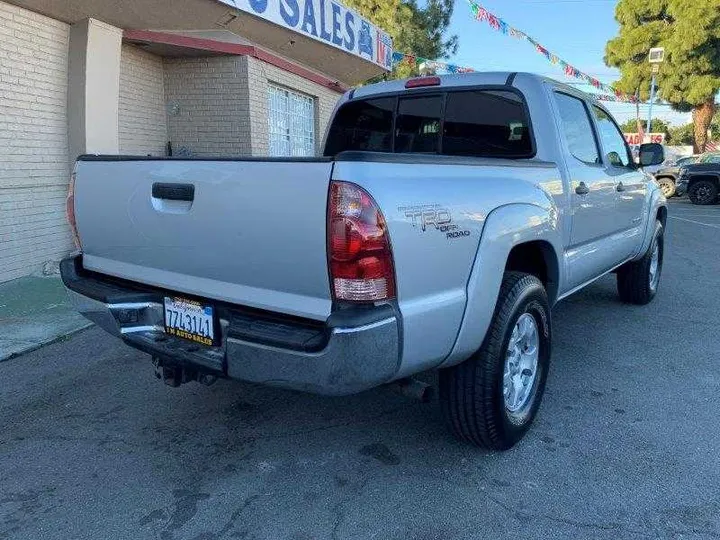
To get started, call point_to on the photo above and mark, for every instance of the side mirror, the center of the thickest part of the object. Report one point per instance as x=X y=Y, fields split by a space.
x=651 y=154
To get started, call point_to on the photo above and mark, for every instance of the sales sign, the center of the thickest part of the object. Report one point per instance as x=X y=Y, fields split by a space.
x=327 y=21
x=635 y=139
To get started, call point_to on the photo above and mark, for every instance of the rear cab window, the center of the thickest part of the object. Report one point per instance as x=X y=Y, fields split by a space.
x=464 y=122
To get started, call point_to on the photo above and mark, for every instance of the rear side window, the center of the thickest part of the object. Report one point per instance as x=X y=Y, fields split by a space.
x=481 y=123
x=362 y=125
x=486 y=123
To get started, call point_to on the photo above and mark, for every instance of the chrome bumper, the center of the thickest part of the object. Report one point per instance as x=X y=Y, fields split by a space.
x=361 y=349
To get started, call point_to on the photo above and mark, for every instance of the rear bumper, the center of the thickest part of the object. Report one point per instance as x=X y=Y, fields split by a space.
x=352 y=351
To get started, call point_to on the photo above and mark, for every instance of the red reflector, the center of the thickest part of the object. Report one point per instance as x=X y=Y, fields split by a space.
x=70 y=211
x=359 y=254
x=423 y=81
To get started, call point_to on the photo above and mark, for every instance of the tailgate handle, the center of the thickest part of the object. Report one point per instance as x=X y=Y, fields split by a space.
x=173 y=192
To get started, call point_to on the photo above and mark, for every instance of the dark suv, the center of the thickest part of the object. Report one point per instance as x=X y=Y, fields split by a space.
x=701 y=180
x=667 y=176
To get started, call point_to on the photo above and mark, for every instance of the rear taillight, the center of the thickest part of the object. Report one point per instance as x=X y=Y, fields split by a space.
x=359 y=253
x=70 y=211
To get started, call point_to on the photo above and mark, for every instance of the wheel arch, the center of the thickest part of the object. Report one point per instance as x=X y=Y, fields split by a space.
x=661 y=215
x=715 y=179
x=656 y=210
x=537 y=257
x=518 y=236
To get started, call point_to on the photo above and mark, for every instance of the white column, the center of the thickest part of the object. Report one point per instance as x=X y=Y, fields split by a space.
x=93 y=88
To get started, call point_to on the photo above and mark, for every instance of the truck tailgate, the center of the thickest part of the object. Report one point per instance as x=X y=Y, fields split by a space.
x=249 y=232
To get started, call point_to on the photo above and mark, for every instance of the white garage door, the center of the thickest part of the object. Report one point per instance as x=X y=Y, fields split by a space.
x=34 y=166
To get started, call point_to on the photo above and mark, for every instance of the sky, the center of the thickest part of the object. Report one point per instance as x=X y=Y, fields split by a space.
x=574 y=30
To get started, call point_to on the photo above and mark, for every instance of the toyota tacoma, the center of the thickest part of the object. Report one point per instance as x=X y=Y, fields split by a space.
x=445 y=218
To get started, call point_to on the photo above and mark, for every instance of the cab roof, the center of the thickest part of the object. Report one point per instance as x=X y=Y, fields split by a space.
x=455 y=80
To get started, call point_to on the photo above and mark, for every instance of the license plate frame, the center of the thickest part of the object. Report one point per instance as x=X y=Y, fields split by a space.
x=190 y=320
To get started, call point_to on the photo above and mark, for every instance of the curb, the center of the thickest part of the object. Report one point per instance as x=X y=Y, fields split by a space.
x=49 y=341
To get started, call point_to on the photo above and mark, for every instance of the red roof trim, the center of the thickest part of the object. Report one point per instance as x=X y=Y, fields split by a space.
x=236 y=49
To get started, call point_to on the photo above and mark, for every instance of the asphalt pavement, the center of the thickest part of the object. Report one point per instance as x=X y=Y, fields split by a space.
x=626 y=444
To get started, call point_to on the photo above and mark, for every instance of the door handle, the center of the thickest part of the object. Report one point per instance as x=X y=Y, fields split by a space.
x=620 y=187
x=582 y=189
x=173 y=192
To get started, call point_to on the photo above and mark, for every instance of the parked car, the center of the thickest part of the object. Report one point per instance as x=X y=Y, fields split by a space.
x=445 y=219
x=667 y=176
x=701 y=180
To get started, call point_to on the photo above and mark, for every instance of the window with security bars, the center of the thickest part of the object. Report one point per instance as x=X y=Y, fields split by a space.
x=291 y=123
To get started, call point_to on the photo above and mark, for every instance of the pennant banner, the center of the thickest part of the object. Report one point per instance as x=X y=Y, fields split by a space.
x=496 y=23
x=435 y=65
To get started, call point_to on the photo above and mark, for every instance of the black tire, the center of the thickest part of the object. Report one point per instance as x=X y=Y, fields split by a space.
x=634 y=280
x=667 y=186
x=703 y=192
x=471 y=393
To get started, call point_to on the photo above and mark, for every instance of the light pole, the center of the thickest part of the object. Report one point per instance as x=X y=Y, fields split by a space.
x=656 y=57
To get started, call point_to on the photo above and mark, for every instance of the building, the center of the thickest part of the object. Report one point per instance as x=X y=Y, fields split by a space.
x=189 y=77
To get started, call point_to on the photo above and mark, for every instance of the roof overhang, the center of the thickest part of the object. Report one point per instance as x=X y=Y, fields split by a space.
x=320 y=34
x=178 y=45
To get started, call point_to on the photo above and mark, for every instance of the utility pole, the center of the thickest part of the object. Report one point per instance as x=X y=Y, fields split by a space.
x=656 y=57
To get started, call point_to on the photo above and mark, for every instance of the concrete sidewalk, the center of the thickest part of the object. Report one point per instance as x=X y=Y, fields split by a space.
x=35 y=311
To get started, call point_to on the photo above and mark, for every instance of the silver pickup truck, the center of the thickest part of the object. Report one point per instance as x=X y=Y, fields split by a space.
x=446 y=218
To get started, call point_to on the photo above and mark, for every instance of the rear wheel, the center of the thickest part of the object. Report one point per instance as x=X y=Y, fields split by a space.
x=667 y=186
x=492 y=398
x=638 y=281
x=703 y=192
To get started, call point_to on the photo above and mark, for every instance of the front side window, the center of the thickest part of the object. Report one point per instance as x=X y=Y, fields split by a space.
x=684 y=161
x=578 y=129
x=291 y=123
x=479 y=123
x=616 y=149
x=711 y=158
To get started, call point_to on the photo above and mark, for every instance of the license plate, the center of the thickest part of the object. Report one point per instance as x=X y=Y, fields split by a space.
x=189 y=320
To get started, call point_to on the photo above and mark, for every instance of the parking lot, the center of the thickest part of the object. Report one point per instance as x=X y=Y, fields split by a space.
x=626 y=444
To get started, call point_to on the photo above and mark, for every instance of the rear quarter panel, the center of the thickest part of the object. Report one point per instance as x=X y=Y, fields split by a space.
x=436 y=214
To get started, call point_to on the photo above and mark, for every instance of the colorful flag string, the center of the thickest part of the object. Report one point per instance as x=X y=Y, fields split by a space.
x=496 y=23
x=434 y=65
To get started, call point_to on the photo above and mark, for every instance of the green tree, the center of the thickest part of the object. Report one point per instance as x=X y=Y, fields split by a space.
x=421 y=31
x=682 y=135
x=689 y=79
x=658 y=126
x=715 y=128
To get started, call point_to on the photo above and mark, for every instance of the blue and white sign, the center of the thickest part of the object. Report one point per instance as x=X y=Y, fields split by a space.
x=327 y=21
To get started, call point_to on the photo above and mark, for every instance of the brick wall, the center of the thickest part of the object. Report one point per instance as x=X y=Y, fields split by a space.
x=260 y=75
x=219 y=106
x=142 y=120
x=34 y=168
x=208 y=105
